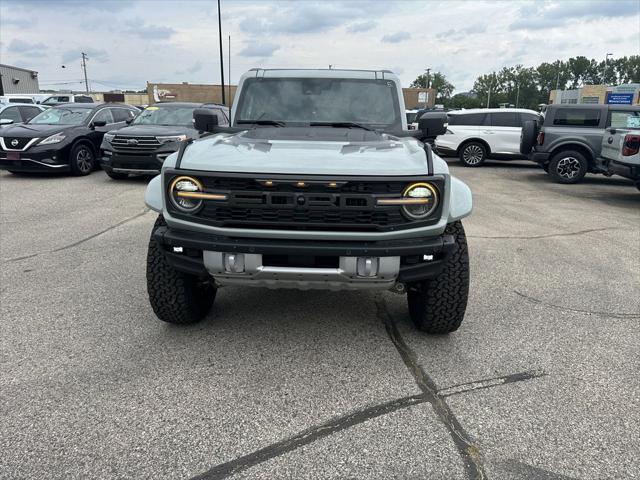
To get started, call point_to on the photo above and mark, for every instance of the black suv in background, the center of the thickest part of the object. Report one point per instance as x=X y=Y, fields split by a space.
x=152 y=136
x=567 y=140
x=63 y=138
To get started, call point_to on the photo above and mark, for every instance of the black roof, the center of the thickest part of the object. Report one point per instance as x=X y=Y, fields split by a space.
x=91 y=105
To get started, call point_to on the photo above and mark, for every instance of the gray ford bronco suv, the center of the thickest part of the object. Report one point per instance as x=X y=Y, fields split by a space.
x=317 y=183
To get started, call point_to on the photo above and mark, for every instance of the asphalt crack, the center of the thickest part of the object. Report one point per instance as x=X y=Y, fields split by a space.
x=537 y=301
x=81 y=241
x=468 y=451
x=430 y=394
x=225 y=470
x=549 y=235
x=489 y=383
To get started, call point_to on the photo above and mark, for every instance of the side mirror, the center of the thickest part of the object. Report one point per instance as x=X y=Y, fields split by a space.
x=128 y=121
x=612 y=131
x=433 y=124
x=204 y=119
x=5 y=121
x=97 y=123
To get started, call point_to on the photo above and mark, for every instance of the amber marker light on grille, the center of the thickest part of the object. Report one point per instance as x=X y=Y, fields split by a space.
x=268 y=183
x=333 y=184
x=202 y=196
x=301 y=184
x=404 y=201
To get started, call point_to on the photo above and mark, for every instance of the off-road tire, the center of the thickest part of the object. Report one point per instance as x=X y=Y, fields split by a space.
x=568 y=167
x=528 y=136
x=82 y=159
x=472 y=154
x=176 y=297
x=438 y=305
x=115 y=175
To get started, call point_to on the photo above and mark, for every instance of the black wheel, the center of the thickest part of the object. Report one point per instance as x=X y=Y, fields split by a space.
x=438 y=305
x=116 y=175
x=176 y=297
x=568 y=166
x=528 y=136
x=473 y=154
x=82 y=160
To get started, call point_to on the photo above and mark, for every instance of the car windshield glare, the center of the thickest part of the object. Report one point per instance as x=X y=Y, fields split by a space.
x=304 y=101
x=62 y=116
x=168 y=115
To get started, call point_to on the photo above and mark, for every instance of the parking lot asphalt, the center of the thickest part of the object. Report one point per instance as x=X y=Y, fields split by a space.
x=541 y=380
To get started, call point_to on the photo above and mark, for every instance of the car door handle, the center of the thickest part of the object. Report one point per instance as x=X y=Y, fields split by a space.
x=488 y=132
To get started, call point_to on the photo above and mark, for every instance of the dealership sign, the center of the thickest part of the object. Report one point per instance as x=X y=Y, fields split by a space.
x=620 y=98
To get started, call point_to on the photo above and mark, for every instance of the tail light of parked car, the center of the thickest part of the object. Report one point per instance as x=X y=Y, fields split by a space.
x=631 y=145
x=540 y=138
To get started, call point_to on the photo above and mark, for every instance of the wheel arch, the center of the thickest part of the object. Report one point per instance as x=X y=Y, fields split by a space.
x=588 y=153
x=473 y=139
x=85 y=141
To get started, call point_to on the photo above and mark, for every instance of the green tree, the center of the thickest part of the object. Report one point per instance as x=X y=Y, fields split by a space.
x=438 y=81
x=462 y=100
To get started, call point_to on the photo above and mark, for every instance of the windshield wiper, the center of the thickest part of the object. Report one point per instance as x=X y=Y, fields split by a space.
x=274 y=123
x=340 y=125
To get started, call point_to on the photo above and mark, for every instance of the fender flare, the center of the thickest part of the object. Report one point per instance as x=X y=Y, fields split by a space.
x=153 y=194
x=461 y=200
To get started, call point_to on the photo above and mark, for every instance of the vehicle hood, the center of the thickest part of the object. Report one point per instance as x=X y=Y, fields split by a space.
x=34 y=131
x=155 y=130
x=306 y=151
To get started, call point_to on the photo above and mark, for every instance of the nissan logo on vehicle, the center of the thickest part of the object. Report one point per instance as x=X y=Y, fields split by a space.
x=132 y=141
x=14 y=142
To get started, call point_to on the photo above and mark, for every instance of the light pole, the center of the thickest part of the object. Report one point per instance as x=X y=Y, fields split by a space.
x=224 y=102
x=518 y=95
x=604 y=74
x=489 y=94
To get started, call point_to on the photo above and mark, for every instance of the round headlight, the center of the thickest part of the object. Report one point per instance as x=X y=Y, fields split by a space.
x=179 y=193
x=426 y=200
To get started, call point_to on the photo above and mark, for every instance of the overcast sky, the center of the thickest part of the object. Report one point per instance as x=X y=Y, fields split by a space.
x=131 y=42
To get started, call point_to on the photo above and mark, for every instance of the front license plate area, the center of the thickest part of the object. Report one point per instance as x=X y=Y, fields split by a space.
x=13 y=156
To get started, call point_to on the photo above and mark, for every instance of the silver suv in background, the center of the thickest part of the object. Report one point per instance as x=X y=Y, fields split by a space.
x=477 y=134
x=567 y=141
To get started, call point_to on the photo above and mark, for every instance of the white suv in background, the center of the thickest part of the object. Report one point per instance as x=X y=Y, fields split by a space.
x=477 y=134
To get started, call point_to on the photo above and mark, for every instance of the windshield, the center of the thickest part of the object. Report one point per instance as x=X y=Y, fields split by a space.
x=62 y=116
x=301 y=101
x=166 y=115
x=51 y=100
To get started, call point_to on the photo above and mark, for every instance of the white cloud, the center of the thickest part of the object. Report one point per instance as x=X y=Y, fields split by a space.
x=396 y=37
x=132 y=42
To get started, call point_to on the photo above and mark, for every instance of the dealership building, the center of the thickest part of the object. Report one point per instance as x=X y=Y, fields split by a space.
x=627 y=94
x=18 y=80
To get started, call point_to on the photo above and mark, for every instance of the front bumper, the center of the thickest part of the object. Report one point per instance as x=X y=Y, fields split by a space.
x=36 y=159
x=133 y=163
x=397 y=261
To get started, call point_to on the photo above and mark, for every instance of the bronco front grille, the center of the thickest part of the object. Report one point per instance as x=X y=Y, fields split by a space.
x=350 y=205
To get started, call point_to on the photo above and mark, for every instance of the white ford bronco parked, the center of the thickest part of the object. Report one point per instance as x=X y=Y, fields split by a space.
x=317 y=183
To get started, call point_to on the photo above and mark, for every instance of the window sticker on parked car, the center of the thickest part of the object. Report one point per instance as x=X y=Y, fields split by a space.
x=151 y=108
x=633 y=122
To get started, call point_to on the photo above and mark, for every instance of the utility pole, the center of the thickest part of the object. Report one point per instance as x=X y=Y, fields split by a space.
x=428 y=70
x=604 y=74
x=517 y=95
x=224 y=101
x=84 y=68
x=229 y=71
x=489 y=94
